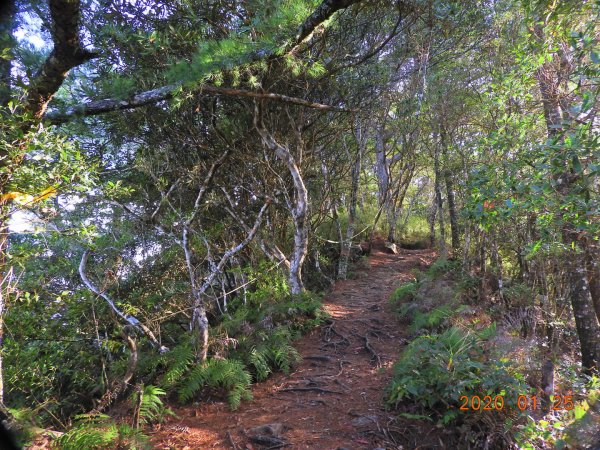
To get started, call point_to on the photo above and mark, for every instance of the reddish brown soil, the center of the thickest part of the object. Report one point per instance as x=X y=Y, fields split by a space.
x=342 y=405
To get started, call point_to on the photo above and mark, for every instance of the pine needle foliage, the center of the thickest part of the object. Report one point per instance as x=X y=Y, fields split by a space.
x=228 y=375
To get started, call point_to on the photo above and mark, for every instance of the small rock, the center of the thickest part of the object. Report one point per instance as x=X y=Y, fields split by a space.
x=269 y=429
x=363 y=421
x=391 y=248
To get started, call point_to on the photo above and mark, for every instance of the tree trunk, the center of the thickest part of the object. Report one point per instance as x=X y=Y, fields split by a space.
x=592 y=256
x=439 y=205
x=454 y=232
x=299 y=209
x=347 y=242
x=586 y=320
x=7 y=24
x=431 y=219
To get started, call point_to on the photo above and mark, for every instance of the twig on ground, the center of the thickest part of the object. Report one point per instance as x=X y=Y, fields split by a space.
x=345 y=386
x=231 y=441
x=316 y=389
x=318 y=358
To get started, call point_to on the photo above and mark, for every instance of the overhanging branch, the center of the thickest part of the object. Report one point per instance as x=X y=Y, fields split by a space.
x=323 y=12
x=96 y=107
x=66 y=54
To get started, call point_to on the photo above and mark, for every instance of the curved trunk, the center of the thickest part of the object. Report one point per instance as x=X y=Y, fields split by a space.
x=300 y=208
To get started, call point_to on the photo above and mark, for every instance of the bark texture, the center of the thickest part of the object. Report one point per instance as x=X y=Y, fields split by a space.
x=346 y=243
x=555 y=102
x=97 y=107
x=300 y=207
x=66 y=54
x=323 y=12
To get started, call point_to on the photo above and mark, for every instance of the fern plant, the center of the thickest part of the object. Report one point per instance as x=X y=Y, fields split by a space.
x=275 y=352
x=99 y=432
x=147 y=405
x=178 y=361
x=225 y=374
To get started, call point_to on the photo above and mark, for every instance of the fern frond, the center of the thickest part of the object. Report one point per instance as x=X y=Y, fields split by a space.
x=228 y=375
x=179 y=359
x=258 y=359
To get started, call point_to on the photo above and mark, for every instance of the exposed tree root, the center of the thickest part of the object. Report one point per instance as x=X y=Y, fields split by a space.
x=374 y=356
x=304 y=389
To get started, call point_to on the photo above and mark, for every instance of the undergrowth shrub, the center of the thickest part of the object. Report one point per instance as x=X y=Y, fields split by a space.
x=227 y=375
x=440 y=267
x=273 y=352
x=99 y=432
x=431 y=320
x=253 y=341
x=436 y=370
x=406 y=292
x=148 y=406
x=567 y=429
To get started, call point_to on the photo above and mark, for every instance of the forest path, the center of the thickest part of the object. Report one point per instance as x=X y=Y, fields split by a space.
x=334 y=398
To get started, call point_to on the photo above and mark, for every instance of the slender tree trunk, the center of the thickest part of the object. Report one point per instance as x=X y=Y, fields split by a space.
x=439 y=205
x=592 y=260
x=299 y=209
x=382 y=169
x=347 y=242
x=586 y=320
x=454 y=231
x=431 y=218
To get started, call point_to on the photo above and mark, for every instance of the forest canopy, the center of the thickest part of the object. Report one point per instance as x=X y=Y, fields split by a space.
x=182 y=182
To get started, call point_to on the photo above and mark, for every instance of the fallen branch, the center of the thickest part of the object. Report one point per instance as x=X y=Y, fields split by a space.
x=318 y=358
x=316 y=389
x=274 y=442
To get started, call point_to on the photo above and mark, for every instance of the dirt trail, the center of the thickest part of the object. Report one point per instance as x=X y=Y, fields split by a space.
x=333 y=399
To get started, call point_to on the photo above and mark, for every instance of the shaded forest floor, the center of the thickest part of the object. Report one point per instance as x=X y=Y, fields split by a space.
x=335 y=397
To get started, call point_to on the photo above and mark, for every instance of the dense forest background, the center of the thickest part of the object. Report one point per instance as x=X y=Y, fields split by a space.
x=181 y=180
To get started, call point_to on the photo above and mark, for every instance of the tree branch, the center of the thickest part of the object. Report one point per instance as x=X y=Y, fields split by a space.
x=97 y=107
x=131 y=320
x=323 y=12
x=66 y=54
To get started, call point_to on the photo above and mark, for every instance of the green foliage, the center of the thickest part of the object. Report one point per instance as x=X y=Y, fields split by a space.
x=99 y=432
x=177 y=361
x=431 y=319
x=223 y=374
x=575 y=428
x=436 y=370
x=518 y=294
x=150 y=408
x=440 y=267
x=405 y=293
x=275 y=352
